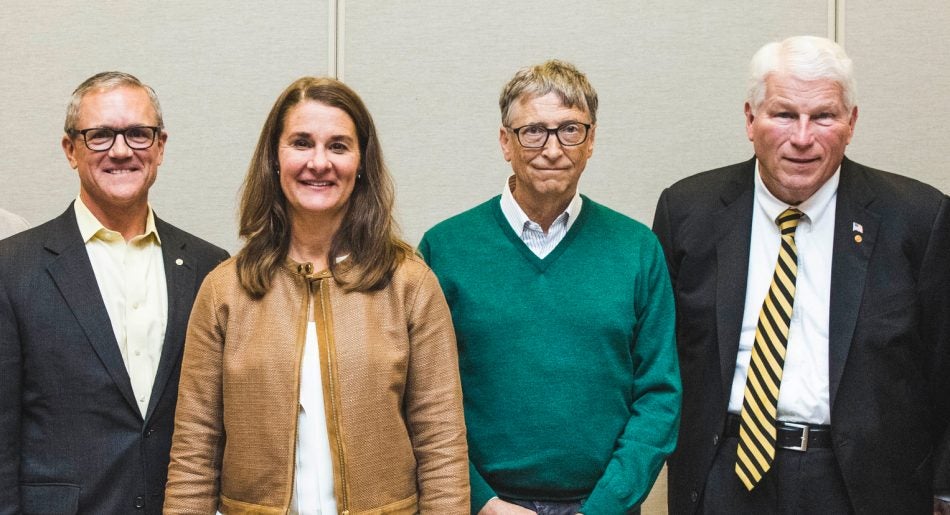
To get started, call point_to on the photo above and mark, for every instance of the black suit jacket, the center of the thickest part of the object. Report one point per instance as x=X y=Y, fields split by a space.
x=889 y=329
x=72 y=439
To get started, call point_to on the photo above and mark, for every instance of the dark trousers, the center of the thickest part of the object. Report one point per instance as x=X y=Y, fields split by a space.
x=803 y=483
x=555 y=508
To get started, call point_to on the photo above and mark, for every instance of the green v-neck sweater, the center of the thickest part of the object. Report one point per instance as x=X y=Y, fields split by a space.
x=569 y=371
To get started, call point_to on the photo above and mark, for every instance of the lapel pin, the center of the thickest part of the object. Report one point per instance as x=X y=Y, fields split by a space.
x=858 y=230
x=179 y=262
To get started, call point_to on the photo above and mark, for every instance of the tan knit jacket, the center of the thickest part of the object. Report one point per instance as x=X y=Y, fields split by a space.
x=390 y=382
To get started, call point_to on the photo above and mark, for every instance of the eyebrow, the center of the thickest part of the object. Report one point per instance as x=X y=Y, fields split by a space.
x=336 y=137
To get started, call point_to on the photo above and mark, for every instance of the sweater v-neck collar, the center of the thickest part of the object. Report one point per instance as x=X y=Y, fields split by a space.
x=541 y=264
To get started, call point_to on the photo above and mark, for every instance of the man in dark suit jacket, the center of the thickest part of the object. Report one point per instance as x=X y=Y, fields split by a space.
x=93 y=310
x=864 y=402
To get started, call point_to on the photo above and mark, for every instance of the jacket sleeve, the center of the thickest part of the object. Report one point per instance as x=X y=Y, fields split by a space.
x=650 y=434
x=934 y=279
x=197 y=445
x=434 y=403
x=10 y=390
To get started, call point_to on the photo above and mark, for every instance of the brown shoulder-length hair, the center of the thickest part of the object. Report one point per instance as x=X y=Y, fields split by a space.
x=367 y=232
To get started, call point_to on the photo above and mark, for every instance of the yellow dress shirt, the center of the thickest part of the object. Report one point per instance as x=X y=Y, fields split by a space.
x=131 y=278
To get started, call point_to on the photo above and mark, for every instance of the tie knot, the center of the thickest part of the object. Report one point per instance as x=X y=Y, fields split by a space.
x=788 y=220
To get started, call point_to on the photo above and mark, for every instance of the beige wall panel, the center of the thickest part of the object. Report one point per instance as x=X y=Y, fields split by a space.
x=900 y=58
x=670 y=75
x=217 y=67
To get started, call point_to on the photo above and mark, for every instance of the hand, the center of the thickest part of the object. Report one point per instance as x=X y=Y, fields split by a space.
x=941 y=507
x=498 y=507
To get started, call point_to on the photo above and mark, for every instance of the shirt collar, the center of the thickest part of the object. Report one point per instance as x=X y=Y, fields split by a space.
x=813 y=207
x=90 y=226
x=516 y=216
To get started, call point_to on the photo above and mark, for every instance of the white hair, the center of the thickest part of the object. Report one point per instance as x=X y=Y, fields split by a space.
x=805 y=58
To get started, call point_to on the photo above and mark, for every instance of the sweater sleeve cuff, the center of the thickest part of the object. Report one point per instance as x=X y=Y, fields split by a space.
x=481 y=492
x=601 y=502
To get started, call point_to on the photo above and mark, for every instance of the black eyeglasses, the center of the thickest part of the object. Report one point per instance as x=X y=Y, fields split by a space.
x=568 y=134
x=100 y=139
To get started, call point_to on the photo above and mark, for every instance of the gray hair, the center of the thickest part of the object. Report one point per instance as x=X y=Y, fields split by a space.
x=106 y=81
x=805 y=58
x=539 y=80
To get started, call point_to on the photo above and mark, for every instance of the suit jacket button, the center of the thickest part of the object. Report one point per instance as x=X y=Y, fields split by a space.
x=149 y=432
x=139 y=502
x=715 y=439
x=693 y=496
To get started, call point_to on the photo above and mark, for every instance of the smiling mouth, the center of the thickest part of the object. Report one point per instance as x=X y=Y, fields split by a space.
x=120 y=171
x=802 y=160
x=317 y=184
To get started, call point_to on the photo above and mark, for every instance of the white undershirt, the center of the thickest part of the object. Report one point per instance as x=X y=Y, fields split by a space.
x=803 y=394
x=529 y=231
x=313 y=479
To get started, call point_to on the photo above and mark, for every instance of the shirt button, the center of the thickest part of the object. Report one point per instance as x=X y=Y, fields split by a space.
x=138 y=353
x=135 y=305
x=139 y=502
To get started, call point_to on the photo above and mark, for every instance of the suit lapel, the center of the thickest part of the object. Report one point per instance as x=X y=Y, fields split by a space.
x=733 y=231
x=180 y=275
x=849 y=266
x=72 y=272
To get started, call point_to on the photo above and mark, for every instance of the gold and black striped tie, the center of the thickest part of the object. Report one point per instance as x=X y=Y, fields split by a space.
x=757 y=421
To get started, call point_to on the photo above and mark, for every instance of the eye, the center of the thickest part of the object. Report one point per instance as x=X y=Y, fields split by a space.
x=338 y=147
x=301 y=143
x=138 y=134
x=785 y=114
x=569 y=128
x=99 y=135
x=534 y=130
x=825 y=118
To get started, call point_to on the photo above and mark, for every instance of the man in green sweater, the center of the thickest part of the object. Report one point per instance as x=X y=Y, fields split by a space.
x=565 y=319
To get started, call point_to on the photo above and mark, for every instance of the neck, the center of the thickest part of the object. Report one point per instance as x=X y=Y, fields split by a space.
x=129 y=221
x=310 y=240
x=542 y=209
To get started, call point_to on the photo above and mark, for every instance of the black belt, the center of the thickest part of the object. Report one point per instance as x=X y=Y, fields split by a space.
x=797 y=437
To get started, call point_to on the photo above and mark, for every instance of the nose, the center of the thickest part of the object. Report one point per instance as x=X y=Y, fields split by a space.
x=552 y=148
x=120 y=149
x=802 y=134
x=318 y=160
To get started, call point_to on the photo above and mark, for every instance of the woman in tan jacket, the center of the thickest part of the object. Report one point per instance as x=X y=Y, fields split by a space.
x=320 y=371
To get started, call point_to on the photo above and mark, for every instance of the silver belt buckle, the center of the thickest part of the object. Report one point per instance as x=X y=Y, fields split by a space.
x=803 y=446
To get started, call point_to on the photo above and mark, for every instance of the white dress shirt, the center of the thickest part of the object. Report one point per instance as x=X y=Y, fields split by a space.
x=804 y=391
x=530 y=232
x=313 y=478
x=131 y=279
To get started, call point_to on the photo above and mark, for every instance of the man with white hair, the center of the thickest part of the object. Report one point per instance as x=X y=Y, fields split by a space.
x=813 y=313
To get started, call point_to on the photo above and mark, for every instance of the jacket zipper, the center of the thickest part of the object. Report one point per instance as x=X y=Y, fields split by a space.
x=331 y=382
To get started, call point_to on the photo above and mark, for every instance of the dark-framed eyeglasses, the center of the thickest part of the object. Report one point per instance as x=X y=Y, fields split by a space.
x=99 y=139
x=568 y=134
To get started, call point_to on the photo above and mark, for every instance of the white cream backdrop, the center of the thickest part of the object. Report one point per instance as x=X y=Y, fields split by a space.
x=670 y=74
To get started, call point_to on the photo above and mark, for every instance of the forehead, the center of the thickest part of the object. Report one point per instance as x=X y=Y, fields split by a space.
x=313 y=116
x=547 y=108
x=116 y=107
x=785 y=88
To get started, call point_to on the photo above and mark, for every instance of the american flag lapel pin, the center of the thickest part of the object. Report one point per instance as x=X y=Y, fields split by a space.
x=858 y=231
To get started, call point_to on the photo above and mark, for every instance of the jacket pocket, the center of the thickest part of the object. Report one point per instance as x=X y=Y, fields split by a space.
x=49 y=498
